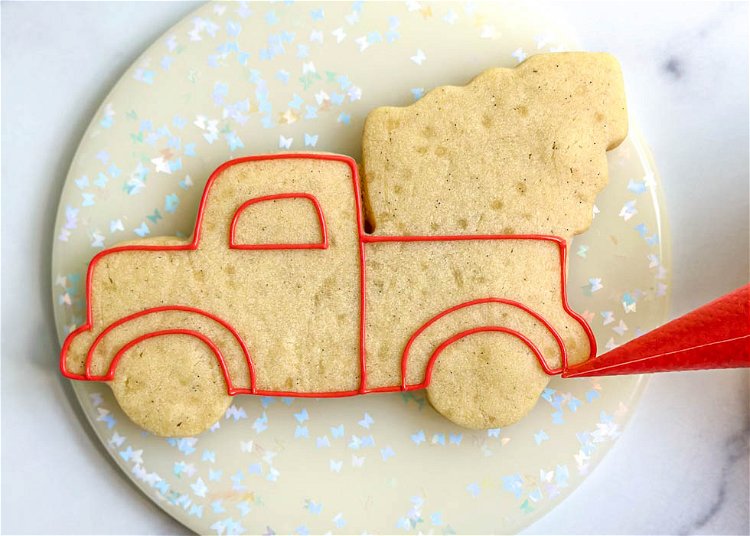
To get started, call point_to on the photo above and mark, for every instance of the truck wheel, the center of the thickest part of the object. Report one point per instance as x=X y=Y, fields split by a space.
x=486 y=380
x=171 y=385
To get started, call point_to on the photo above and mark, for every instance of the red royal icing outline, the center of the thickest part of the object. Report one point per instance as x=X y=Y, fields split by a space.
x=323 y=244
x=519 y=305
x=182 y=308
x=162 y=333
x=363 y=240
x=458 y=336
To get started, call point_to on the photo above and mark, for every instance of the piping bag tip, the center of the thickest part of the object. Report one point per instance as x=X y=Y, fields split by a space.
x=714 y=336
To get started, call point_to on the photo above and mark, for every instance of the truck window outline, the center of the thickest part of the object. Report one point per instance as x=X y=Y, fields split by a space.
x=364 y=239
x=323 y=244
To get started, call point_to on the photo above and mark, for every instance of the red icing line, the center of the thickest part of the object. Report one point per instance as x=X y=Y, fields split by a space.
x=363 y=239
x=540 y=318
x=323 y=244
x=450 y=238
x=154 y=310
x=196 y=334
x=483 y=329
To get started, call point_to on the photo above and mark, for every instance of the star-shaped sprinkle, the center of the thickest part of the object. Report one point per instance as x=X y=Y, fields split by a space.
x=161 y=165
x=339 y=521
x=311 y=140
x=142 y=230
x=131 y=455
x=366 y=421
x=418 y=437
x=243 y=507
x=628 y=210
x=451 y=17
x=284 y=142
x=302 y=416
x=387 y=452
x=235 y=413
x=636 y=187
x=116 y=440
x=628 y=303
x=199 y=488
x=273 y=474
x=339 y=34
x=621 y=328
x=261 y=423
x=237 y=479
x=540 y=437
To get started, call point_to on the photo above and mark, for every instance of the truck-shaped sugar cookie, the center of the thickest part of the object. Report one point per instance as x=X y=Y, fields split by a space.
x=450 y=276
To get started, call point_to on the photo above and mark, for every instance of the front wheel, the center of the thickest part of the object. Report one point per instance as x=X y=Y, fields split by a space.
x=171 y=385
x=486 y=380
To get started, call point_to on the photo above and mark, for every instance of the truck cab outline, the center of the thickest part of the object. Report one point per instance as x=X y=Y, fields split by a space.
x=363 y=240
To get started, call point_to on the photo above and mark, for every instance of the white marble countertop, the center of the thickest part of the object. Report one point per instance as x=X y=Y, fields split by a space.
x=682 y=465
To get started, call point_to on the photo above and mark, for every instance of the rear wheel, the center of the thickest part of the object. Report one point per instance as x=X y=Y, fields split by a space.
x=171 y=385
x=486 y=380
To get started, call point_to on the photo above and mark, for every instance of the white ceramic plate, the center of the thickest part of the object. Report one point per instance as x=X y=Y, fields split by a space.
x=233 y=79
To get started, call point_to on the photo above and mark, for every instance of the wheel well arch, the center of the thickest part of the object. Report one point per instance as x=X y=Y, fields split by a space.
x=482 y=329
x=517 y=306
x=223 y=326
x=165 y=332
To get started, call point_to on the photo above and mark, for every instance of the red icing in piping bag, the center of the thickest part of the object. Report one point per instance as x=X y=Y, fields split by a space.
x=716 y=335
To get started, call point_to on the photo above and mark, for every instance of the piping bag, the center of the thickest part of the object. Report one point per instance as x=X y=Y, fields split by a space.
x=714 y=336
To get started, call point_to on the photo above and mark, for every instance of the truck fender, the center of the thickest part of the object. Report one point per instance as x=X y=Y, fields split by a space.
x=413 y=365
x=221 y=338
x=483 y=329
